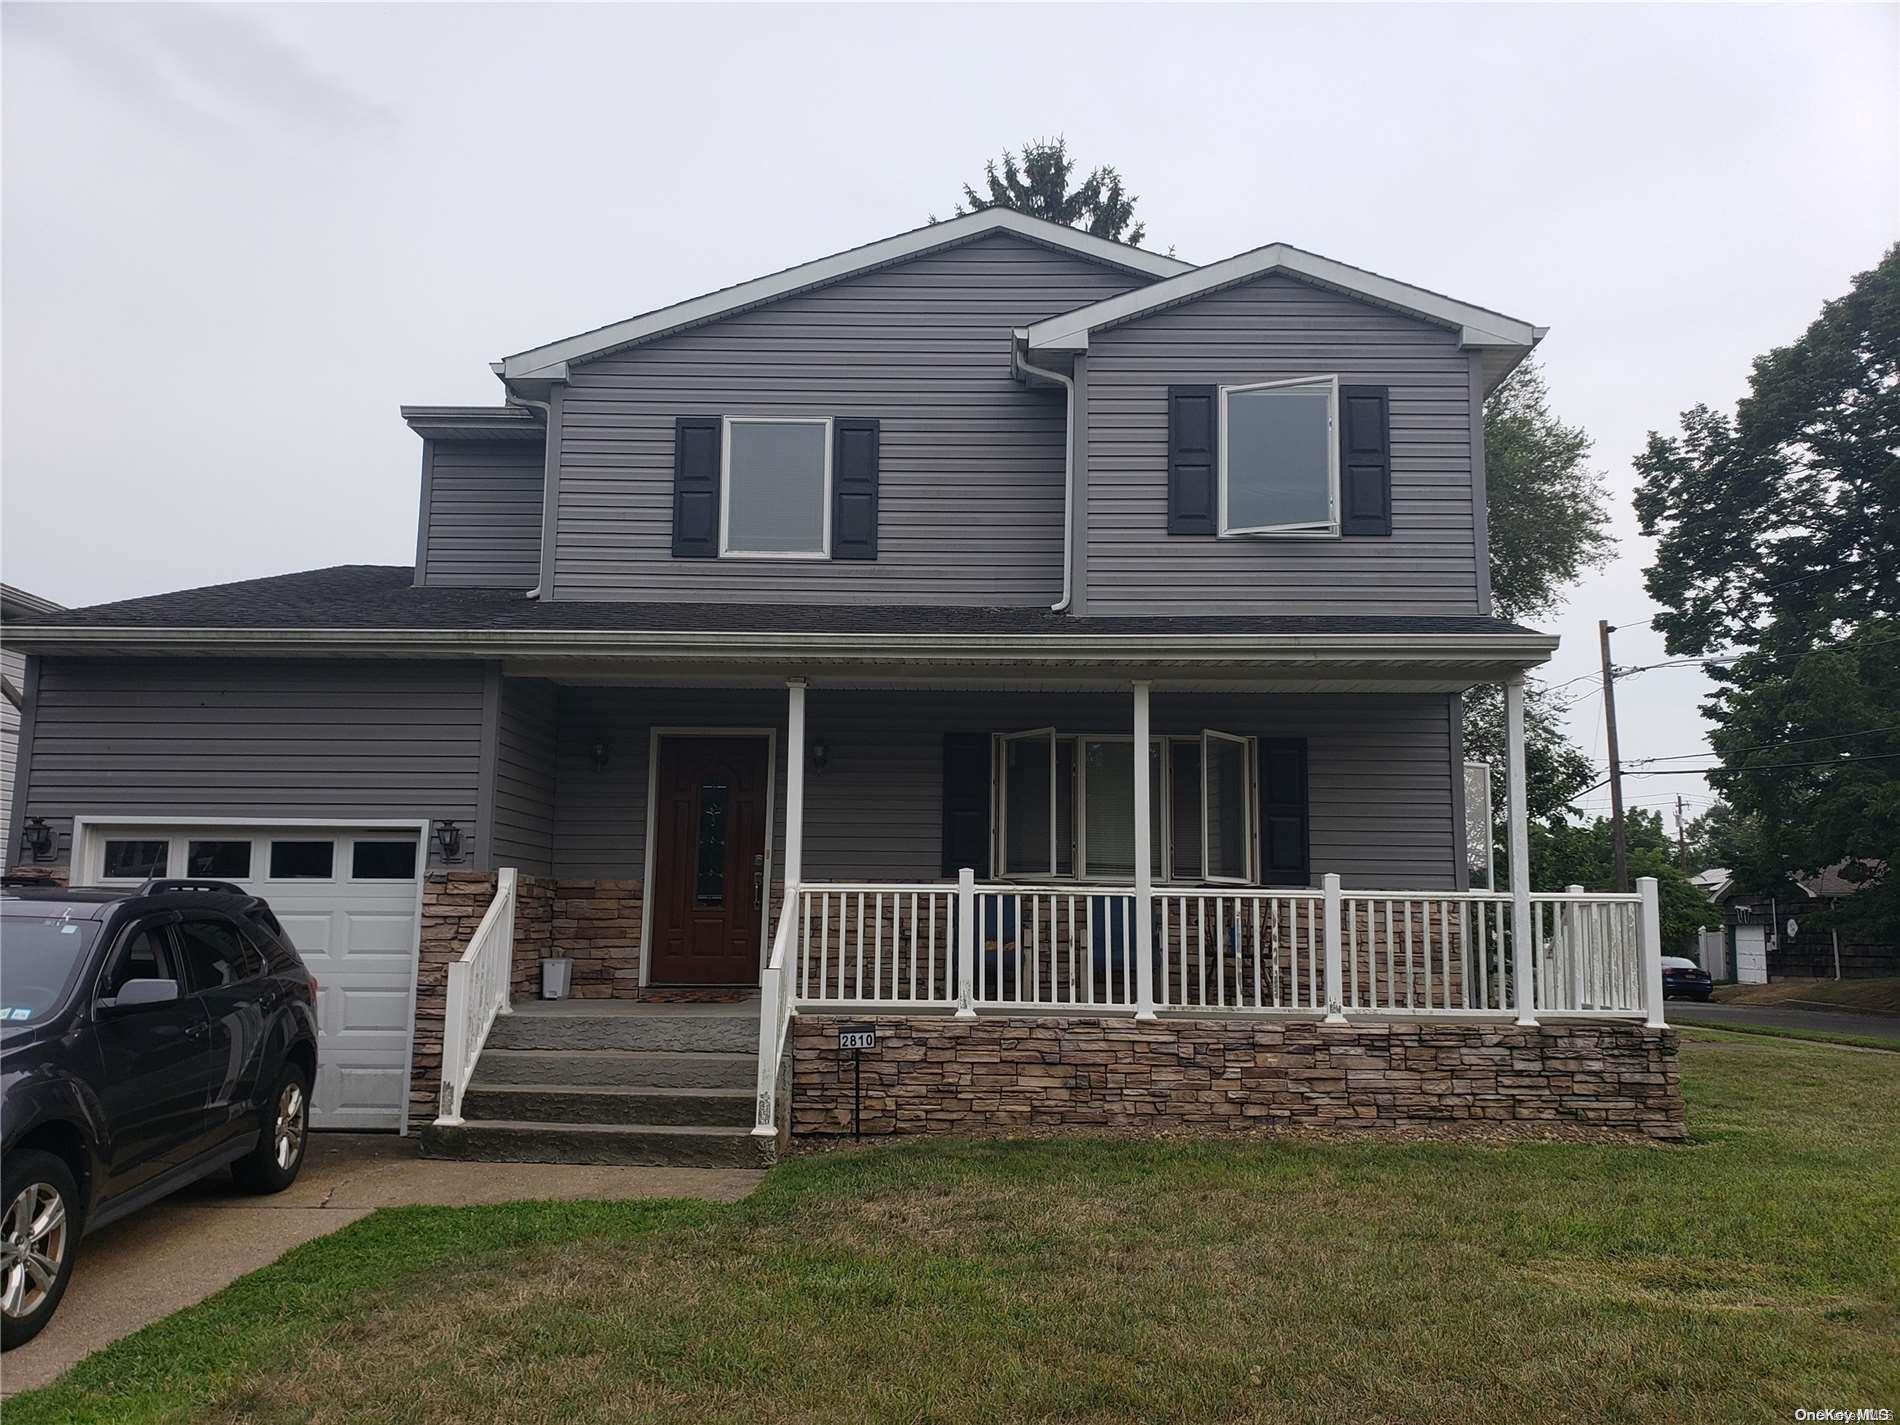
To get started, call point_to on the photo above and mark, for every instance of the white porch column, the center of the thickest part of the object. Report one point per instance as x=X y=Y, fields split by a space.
x=794 y=784
x=1144 y=875
x=1521 y=959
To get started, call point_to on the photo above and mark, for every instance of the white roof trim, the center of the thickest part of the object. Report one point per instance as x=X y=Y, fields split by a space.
x=1477 y=326
x=534 y=363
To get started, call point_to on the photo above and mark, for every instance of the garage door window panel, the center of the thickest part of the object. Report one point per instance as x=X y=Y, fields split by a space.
x=222 y=860
x=302 y=860
x=127 y=860
x=383 y=861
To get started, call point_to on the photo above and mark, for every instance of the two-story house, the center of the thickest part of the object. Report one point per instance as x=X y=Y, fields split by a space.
x=1042 y=653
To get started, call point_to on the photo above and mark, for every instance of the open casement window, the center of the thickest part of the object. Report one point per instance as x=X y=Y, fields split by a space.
x=1226 y=807
x=1279 y=458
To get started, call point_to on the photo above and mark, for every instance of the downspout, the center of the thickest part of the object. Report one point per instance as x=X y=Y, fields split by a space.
x=1068 y=469
x=546 y=408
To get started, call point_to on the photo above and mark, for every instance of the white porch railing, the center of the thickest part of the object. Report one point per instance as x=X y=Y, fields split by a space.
x=776 y=999
x=970 y=946
x=478 y=991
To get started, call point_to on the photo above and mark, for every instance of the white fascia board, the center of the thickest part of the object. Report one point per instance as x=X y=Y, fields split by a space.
x=535 y=363
x=1477 y=326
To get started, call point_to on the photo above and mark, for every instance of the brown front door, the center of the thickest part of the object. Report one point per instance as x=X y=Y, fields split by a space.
x=708 y=861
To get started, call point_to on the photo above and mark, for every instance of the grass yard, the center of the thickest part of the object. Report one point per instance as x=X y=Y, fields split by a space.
x=1751 y=1272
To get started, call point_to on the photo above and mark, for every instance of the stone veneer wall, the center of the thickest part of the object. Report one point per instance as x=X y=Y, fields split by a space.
x=996 y=1075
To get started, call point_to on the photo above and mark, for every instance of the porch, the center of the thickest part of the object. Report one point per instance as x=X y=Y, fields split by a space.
x=1227 y=884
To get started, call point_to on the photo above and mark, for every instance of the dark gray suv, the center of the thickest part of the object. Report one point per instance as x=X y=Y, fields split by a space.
x=147 y=1038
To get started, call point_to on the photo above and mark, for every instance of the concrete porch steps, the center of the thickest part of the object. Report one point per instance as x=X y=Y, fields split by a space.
x=612 y=1083
x=643 y=1145
x=617 y=1068
x=595 y=1103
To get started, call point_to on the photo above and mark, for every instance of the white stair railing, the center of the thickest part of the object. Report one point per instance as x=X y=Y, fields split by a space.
x=777 y=997
x=478 y=991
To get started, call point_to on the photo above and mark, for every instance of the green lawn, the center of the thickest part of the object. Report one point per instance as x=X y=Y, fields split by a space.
x=1752 y=1271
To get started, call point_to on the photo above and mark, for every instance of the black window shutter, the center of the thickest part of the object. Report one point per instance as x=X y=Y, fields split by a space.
x=966 y=803
x=1365 y=461
x=696 y=441
x=1191 y=456
x=1284 y=858
x=854 y=488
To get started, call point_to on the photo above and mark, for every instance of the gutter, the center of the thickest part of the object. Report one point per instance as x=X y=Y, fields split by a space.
x=724 y=646
x=1021 y=361
x=546 y=408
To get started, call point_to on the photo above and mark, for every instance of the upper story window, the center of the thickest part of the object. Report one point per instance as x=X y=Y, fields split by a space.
x=1279 y=458
x=775 y=488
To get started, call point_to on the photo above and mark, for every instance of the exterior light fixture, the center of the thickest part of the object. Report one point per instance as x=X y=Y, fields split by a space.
x=36 y=840
x=820 y=755
x=602 y=753
x=448 y=836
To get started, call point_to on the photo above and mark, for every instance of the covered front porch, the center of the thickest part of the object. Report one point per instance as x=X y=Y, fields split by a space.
x=918 y=843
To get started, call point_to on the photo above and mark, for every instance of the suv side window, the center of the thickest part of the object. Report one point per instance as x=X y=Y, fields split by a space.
x=263 y=934
x=214 y=956
x=145 y=953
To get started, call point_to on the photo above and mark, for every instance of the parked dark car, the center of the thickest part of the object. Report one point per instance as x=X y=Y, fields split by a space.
x=147 y=1038
x=1684 y=979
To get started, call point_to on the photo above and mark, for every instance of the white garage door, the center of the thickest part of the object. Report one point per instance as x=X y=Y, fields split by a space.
x=1751 y=954
x=349 y=900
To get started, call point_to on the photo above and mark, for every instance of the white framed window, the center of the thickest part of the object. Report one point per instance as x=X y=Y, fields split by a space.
x=775 y=488
x=1227 y=798
x=1065 y=806
x=1279 y=458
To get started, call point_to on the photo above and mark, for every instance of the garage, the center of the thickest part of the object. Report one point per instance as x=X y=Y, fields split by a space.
x=350 y=898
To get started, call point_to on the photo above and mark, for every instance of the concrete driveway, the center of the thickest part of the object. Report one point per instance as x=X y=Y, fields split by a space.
x=183 y=1249
x=1776 y=1016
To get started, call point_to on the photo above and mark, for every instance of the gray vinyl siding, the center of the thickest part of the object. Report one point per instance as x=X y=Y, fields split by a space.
x=971 y=461
x=1380 y=770
x=1270 y=328
x=524 y=777
x=482 y=514
x=210 y=738
x=13 y=665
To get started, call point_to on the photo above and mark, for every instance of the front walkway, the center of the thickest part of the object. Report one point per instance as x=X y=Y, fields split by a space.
x=179 y=1251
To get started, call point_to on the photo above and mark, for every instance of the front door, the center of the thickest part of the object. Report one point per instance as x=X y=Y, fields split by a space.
x=708 y=860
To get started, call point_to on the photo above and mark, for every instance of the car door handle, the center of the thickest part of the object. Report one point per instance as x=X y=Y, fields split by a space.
x=197 y=1031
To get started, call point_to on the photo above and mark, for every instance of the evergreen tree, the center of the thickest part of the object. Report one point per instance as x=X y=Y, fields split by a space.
x=1039 y=184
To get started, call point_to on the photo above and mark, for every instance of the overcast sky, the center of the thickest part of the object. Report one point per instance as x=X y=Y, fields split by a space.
x=236 y=239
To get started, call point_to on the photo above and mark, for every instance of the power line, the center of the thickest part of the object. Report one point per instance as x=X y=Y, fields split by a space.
x=1767 y=767
x=1766 y=746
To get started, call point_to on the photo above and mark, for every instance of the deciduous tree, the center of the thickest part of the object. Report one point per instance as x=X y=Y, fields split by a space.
x=1778 y=557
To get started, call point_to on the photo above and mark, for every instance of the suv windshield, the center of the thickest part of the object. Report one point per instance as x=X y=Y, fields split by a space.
x=40 y=956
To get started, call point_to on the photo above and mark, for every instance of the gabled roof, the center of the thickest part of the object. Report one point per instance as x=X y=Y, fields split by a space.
x=17 y=602
x=543 y=363
x=1505 y=341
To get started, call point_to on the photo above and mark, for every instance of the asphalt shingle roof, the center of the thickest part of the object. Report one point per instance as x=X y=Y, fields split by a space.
x=377 y=596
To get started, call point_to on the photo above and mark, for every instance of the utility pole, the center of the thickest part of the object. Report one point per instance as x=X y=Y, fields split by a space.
x=1618 y=849
x=1682 y=841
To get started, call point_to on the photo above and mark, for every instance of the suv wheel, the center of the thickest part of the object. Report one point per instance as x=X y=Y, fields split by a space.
x=39 y=1237
x=272 y=1165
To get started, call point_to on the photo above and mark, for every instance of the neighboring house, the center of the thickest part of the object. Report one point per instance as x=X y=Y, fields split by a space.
x=1788 y=930
x=789 y=647
x=14 y=603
